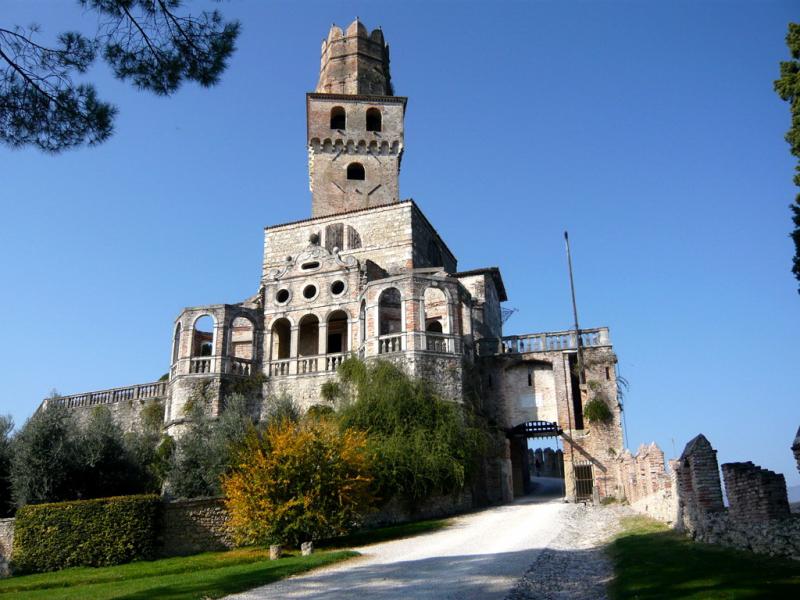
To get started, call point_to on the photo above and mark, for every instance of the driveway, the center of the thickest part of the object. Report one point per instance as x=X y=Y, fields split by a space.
x=480 y=556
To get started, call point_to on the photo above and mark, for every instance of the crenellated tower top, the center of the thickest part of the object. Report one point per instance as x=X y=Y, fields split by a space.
x=354 y=62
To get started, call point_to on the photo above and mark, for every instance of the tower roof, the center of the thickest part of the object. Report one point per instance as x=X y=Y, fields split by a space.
x=354 y=61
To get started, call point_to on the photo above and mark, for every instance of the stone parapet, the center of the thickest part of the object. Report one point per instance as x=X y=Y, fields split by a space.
x=755 y=494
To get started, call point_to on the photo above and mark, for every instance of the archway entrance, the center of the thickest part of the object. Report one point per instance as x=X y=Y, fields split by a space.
x=537 y=461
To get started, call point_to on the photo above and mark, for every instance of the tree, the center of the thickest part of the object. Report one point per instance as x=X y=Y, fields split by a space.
x=46 y=458
x=204 y=452
x=298 y=482
x=419 y=444
x=145 y=42
x=788 y=88
x=6 y=426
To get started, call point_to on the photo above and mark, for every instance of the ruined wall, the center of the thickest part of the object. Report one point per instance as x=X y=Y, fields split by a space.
x=755 y=494
x=6 y=544
x=192 y=526
x=758 y=519
x=648 y=487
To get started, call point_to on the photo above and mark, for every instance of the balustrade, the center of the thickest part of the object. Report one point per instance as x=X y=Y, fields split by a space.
x=544 y=342
x=332 y=361
x=144 y=391
x=307 y=365
x=388 y=344
x=438 y=342
x=279 y=368
x=199 y=366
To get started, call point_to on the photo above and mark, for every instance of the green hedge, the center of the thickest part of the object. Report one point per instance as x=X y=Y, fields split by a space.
x=95 y=533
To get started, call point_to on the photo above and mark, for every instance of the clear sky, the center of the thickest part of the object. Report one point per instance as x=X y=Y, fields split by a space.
x=648 y=129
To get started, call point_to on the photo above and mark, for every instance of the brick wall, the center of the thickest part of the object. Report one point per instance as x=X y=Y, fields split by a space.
x=755 y=494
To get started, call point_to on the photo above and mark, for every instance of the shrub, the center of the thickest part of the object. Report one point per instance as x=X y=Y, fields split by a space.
x=597 y=411
x=419 y=444
x=99 y=532
x=297 y=482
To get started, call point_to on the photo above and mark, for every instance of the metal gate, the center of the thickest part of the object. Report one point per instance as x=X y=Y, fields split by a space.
x=584 y=481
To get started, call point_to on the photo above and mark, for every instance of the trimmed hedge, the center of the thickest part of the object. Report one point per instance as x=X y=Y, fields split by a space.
x=94 y=533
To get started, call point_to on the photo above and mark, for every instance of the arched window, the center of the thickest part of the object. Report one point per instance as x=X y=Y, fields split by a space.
x=308 y=336
x=176 y=344
x=389 y=312
x=373 y=119
x=203 y=336
x=338 y=118
x=281 y=339
x=337 y=332
x=241 y=340
x=437 y=315
x=356 y=171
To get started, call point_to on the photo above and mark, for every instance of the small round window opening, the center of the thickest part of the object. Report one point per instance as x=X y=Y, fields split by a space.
x=282 y=296
x=337 y=287
x=309 y=292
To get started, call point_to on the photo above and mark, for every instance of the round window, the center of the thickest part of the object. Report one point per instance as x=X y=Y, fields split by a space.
x=309 y=292
x=282 y=296
x=337 y=287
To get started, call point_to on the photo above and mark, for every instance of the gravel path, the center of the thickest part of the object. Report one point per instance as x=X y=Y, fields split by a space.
x=574 y=565
x=480 y=556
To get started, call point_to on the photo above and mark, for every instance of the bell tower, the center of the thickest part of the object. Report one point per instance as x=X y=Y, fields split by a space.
x=355 y=124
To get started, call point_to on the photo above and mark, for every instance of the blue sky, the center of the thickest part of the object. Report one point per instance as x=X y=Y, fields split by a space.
x=648 y=129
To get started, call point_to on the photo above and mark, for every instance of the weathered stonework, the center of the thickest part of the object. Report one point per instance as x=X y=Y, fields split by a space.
x=689 y=497
x=796 y=449
x=368 y=275
x=192 y=526
x=6 y=545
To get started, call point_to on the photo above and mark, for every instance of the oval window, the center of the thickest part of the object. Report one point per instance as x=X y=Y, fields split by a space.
x=310 y=265
x=337 y=287
x=309 y=292
x=282 y=296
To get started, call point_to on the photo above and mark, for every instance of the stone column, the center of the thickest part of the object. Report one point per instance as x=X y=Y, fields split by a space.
x=322 y=341
x=294 y=339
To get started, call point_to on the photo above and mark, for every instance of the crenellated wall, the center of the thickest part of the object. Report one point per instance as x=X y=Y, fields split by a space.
x=648 y=487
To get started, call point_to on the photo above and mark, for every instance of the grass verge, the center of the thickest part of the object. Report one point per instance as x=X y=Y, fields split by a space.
x=208 y=575
x=653 y=562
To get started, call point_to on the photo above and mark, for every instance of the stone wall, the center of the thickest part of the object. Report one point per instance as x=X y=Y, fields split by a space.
x=6 y=543
x=648 y=486
x=436 y=507
x=192 y=526
x=758 y=518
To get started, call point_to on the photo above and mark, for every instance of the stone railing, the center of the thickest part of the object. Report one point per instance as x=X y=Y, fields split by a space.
x=142 y=391
x=388 y=344
x=303 y=365
x=200 y=366
x=544 y=342
x=439 y=342
x=238 y=366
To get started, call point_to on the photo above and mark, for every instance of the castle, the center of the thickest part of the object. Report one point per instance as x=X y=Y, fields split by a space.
x=367 y=274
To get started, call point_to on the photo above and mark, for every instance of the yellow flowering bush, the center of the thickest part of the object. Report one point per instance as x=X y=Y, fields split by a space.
x=297 y=482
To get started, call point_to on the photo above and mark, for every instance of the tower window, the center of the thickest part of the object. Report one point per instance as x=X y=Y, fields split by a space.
x=373 y=119
x=356 y=171
x=338 y=118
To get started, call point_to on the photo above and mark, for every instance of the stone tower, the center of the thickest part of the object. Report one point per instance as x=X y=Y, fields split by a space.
x=355 y=124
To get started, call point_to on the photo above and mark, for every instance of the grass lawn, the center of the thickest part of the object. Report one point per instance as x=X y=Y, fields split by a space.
x=651 y=561
x=209 y=575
